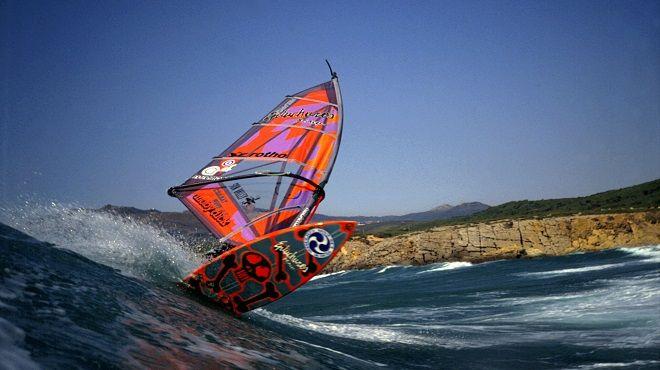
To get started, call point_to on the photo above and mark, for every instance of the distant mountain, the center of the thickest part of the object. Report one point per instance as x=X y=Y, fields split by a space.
x=444 y=207
x=636 y=198
x=185 y=225
x=442 y=212
x=445 y=212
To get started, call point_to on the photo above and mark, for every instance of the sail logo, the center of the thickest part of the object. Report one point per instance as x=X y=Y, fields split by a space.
x=301 y=115
x=260 y=155
x=291 y=259
x=228 y=165
x=218 y=215
x=210 y=171
x=319 y=243
x=208 y=174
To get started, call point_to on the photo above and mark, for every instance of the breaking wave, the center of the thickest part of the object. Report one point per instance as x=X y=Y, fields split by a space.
x=576 y=270
x=369 y=333
x=650 y=254
x=337 y=273
x=582 y=311
x=386 y=268
x=134 y=248
x=342 y=353
x=11 y=347
x=443 y=266
x=617 y=365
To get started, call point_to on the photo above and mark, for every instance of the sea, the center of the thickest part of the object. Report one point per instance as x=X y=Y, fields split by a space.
x=81 y=289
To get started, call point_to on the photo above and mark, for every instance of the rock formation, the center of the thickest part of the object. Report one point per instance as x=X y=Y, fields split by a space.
x=502 y=239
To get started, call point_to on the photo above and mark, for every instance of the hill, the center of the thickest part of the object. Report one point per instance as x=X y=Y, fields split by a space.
x=635 y=198
x=442 y=212
x=185 y=226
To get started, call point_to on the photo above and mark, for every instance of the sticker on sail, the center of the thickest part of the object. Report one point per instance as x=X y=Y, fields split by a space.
x=228 y=165
x=210 y=171
x=319 y=243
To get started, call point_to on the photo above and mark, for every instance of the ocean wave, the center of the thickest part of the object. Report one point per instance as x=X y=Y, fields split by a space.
x=649 y=253
x=322 y=276
x=576 y=270
x=397 y=316
x=609 y=365
x=132 y=247
x=443 y=266
x=368 y=333
x=386 y=268
x=379 y=364
x=11 y=351
x=632 y=301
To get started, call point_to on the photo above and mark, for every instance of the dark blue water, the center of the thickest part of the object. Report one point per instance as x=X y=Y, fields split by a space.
x=104 y=296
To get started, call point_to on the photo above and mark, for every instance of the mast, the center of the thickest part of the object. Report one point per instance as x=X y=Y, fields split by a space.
x=320 y=193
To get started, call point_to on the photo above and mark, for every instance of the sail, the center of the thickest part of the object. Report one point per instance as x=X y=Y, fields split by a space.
x=272 y=177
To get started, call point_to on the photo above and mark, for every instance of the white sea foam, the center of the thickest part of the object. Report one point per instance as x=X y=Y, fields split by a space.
x=317 y=277
x=620 y=313
x=11 y=352
x=392 y=316
x=443 y=266
x=613 y=301
x=134 y=248
x=576 y=270
x=386 y=268
x=342 y=353
x=649 y=253
x=368 y=333
x=609 y=365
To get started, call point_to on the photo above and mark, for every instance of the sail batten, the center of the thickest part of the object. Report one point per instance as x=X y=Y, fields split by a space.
x=312 y=100
x=273 y=175
x=288 y=126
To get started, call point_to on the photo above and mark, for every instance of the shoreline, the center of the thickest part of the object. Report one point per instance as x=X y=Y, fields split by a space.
x=502 y=239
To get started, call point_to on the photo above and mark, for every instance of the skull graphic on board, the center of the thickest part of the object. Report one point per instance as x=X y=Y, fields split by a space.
x=256 y=266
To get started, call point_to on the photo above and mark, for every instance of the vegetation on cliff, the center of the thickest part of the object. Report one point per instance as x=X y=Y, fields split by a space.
x=503 y=239
x=636 y=198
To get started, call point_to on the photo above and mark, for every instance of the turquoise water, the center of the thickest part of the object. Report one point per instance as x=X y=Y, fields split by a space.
x=92 y=290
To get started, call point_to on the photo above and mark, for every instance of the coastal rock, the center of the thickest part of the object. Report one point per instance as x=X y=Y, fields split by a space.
x=502 y=240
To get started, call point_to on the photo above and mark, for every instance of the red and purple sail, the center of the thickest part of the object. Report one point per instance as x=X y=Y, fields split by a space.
x=273 y=176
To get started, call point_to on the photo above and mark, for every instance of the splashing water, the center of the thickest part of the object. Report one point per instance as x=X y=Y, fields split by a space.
x=578 y=311
x=134 y=248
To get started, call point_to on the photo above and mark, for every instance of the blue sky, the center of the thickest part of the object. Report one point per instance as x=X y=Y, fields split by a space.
x=445 y=102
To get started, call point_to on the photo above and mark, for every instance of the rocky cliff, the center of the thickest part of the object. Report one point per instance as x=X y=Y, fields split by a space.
x=502 y=239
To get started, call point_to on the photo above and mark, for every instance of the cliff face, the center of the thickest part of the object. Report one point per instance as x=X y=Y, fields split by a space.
x=502 y=239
